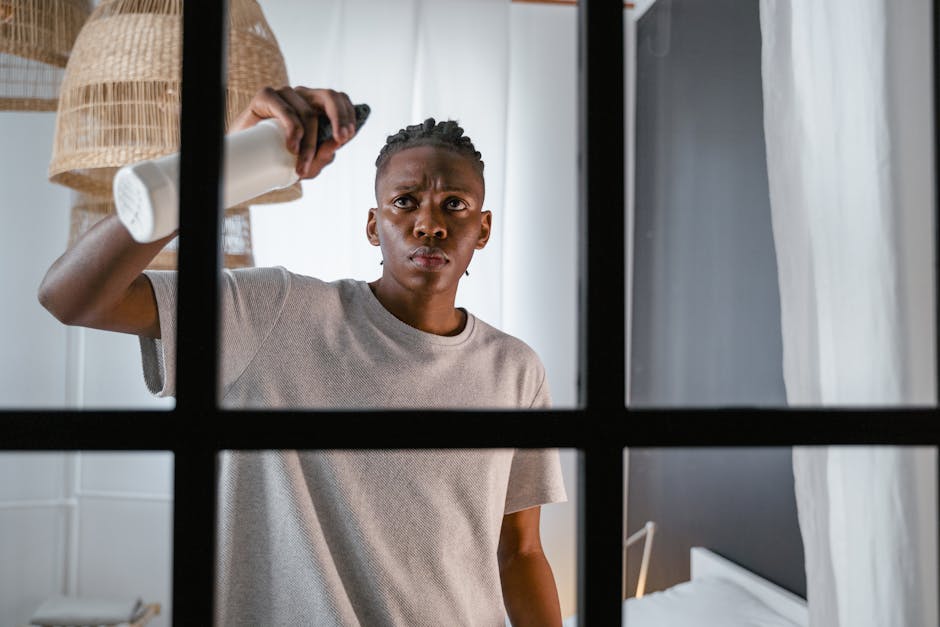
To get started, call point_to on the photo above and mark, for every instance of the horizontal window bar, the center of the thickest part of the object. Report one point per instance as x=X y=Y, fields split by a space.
x=137 y=430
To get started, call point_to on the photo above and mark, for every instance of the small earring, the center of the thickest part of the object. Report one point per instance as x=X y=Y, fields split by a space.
x=381 y=262
x=467 y=272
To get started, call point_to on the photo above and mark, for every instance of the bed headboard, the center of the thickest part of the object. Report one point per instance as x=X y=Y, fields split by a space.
x=737 y=502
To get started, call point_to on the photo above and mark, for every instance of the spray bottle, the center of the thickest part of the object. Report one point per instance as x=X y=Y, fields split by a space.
x=257 y=161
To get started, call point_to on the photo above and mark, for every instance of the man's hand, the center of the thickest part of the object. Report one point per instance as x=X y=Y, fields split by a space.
x=297 y=109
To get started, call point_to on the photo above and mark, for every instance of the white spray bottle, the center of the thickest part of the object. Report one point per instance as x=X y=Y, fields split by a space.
x=146 y=193
x=257 y=161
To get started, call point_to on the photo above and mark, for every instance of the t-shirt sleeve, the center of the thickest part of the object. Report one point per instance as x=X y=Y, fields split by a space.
x=535 y=478
x=251 y=301
x=543 y=396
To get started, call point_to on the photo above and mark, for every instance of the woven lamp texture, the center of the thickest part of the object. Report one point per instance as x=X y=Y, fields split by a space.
x=120 y=98
x=87 y=210
x=36 y=38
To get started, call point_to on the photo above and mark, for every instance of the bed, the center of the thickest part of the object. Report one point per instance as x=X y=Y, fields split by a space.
x=720 y=593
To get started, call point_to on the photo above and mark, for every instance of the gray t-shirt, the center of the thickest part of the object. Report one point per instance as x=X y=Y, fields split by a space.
x=394 y=537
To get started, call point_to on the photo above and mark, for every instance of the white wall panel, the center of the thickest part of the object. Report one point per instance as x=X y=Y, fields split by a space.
x=142 y=472
x=540 y=254
x=125 y=551
x=34 y=233
x=31 y=560
x=113 y=373
x=31 y=476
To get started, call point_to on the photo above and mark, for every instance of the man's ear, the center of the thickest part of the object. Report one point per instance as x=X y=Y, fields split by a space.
x=372 y=231
x=486 y=223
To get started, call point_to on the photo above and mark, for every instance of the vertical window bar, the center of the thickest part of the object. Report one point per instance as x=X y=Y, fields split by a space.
x=201 y=126
x=602 y=350
x=936 y=215
x=936 y=165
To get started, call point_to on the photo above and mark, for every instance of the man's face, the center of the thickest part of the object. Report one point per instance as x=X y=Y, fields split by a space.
x=429 y=218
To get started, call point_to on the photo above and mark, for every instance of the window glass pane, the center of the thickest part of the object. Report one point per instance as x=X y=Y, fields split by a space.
x=85 y=526
x=782 y=206
x=62 y=240
x=348 y=302
x=748 y=531
x=400 y=536
x=33 y=370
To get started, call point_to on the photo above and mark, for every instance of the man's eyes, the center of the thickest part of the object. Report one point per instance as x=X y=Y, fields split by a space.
x=451 y=204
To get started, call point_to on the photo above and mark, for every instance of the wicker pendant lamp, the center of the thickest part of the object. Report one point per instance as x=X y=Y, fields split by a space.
x=87 y=210
x=36 y=38
x=120 y=97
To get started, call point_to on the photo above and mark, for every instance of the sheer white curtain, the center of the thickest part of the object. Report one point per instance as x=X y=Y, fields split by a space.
x=849 y=155
x=407 y=59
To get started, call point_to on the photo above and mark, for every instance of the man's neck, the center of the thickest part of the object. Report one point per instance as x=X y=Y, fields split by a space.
x=431 y=312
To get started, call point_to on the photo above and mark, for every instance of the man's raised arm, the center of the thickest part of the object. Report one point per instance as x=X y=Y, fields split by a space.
x=99 y=281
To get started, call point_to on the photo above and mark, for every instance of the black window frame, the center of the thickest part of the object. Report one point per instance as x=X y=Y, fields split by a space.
x=197 y=429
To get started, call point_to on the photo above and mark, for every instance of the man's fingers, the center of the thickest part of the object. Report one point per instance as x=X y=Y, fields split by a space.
x=308 y=118
x=298 y=109
x=337 y=107
x=321 y=159
x=349 y=119
x=269 y=103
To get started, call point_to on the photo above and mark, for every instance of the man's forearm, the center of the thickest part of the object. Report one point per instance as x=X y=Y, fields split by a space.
x=529 y=591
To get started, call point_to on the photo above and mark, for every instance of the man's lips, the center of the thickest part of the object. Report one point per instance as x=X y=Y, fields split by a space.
x=428 y=258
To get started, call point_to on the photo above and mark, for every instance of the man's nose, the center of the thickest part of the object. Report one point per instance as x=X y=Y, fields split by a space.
x=429 y=222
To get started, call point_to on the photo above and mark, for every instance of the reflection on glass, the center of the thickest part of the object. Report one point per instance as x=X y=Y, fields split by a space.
x=115 y=103
x=345 y=282
x=782 y=215
x=520 y=248
x=79 y=528
x=399 y=537
x=743 y=535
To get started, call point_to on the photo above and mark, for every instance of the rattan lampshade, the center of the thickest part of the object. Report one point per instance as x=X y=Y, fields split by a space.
x=36 y=37
x=87 y=210
x=120 y=98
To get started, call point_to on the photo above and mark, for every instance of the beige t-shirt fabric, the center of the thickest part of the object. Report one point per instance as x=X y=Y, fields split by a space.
x=359 y=538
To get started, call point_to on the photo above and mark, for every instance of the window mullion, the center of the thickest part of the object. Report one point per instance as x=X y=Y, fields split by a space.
x=201 y=134
x=602 y=365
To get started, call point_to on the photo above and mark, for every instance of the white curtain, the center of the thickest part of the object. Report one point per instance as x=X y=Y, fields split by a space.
x=849 y=155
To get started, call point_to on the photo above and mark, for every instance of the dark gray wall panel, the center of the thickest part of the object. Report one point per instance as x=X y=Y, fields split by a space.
x=706 y=308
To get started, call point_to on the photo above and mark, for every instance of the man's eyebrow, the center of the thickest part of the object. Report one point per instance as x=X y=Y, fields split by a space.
x=404 y=186
x=459 y=190
x=411 y=185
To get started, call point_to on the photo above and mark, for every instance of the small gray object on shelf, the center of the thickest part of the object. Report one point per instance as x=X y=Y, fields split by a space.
x=63 y=611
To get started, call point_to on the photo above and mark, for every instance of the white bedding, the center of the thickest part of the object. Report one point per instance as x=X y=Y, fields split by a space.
x=703 y=602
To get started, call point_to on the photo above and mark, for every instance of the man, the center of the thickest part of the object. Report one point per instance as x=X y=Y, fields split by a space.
x=344 y=537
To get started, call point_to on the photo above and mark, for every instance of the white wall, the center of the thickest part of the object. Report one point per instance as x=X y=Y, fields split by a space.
x=35 y=229
x=58 y=536
x=539 y=281
x=92 y=524
x=124 y=527
x=32 y=532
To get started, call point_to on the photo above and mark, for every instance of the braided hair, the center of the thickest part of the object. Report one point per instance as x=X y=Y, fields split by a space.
x=446 y=134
